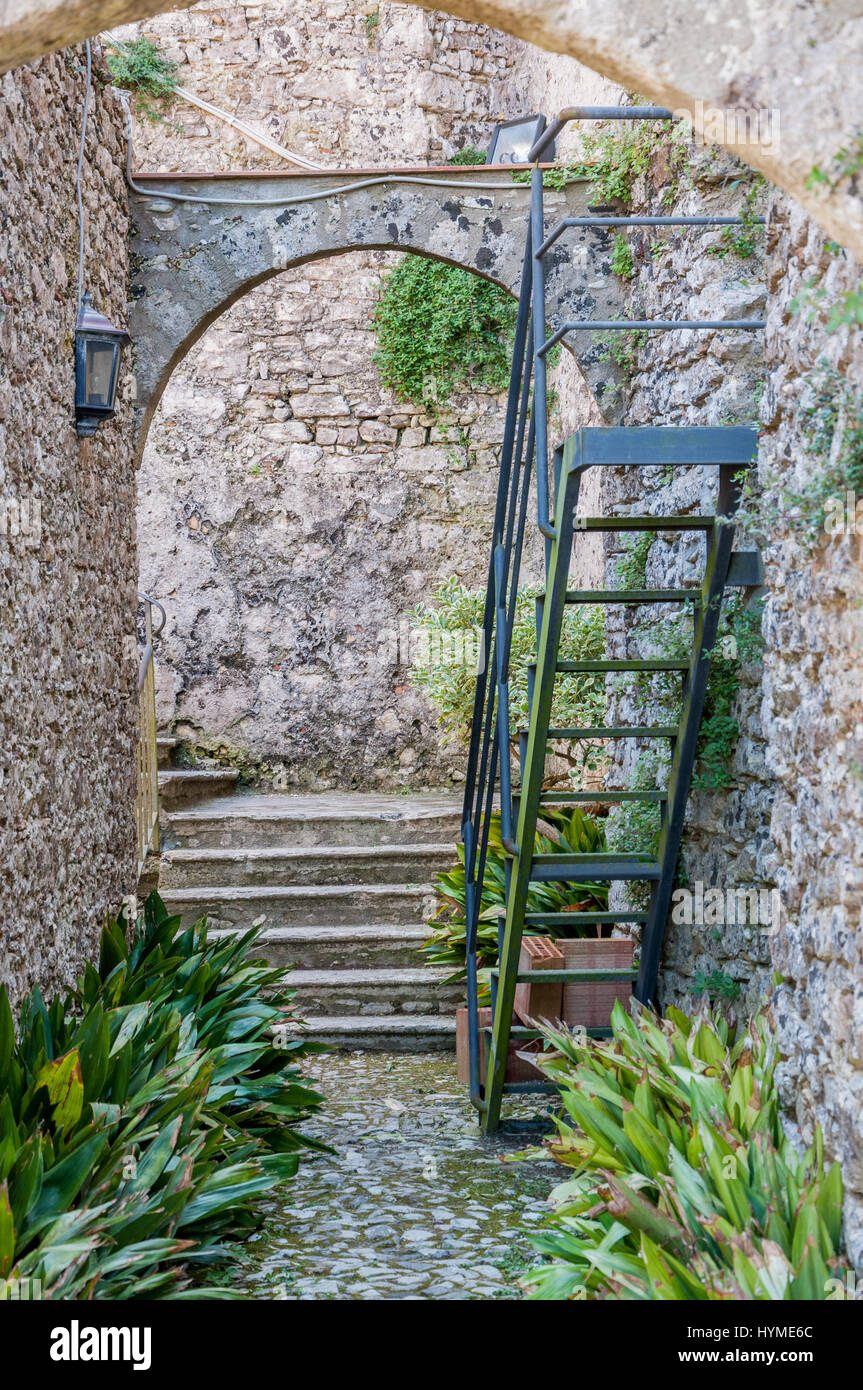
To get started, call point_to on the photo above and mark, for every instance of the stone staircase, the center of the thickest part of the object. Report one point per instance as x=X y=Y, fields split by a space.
x=178 y=784
x=342 y=887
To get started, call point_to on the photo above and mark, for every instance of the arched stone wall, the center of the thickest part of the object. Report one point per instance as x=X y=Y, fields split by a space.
x=193 y=260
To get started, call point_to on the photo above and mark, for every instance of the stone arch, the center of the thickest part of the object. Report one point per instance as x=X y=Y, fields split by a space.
x=193 y=259
x=249 y=567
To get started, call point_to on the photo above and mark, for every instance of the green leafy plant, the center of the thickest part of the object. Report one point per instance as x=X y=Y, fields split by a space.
x=139 y=67
x=567 y=831
x=743 y=241
x=686 y=1186
x=371 y=22
x=614 y=157
x=622 y=263
x=450 y=681
x=468 y=154
x=144 y=1113
x=715 y=984
x=831 y=420
x=440 y=329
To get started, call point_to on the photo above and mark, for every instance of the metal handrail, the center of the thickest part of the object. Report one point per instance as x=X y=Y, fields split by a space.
x=524 y=450
x=147 y=803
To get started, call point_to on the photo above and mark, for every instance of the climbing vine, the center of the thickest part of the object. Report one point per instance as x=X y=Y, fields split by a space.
x=439 y=329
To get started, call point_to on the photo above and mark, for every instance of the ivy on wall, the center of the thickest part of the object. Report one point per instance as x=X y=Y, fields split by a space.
x=441 y=329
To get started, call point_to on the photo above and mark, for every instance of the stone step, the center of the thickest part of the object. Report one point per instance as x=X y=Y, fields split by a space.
x=351 y=904
x=165 y=751
x=250 y=819
x=393 y=1033
x=315 y=865
x=331 y=947
x=374 y=993
x=183 y=785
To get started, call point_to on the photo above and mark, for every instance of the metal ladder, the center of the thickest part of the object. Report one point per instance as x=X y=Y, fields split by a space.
x=525 y=464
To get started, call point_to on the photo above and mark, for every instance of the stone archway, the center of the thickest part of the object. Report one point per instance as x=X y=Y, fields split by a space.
x=193 y=259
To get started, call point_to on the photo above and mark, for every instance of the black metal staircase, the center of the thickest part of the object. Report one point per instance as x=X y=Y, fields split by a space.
x=525 y=465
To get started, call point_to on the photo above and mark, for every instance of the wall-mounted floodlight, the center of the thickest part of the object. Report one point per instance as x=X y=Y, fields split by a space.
x=512 y=140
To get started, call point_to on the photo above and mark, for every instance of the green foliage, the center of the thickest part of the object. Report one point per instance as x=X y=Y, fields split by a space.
x=566 y=831
x=613 y=158
x=715 y=984
x=441 y=329
x=371 y=22
x=468 y=154
x=631 y=568
x=742 y=241
x=831 y=416
x=450 y=682
x=139 y=67
x=633 y=827
x=622 y=347
x=847 y=163
x=622 y=263
x=739 y=643
x=685 y=1187
x=145 y=1112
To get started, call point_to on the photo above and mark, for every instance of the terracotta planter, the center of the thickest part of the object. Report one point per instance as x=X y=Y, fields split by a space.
x=536 y=1002
x=590 y=1004
x=517 y=1069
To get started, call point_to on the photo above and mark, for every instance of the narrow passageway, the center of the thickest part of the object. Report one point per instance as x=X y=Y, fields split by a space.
x=414 y=1204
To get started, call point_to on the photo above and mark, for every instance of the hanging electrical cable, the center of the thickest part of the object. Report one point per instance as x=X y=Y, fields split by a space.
x=78 y=197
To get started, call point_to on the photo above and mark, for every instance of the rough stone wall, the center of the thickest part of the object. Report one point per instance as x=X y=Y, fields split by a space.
x=346 y=85
x=67 y=564
x=812 y=712
x=292 y=512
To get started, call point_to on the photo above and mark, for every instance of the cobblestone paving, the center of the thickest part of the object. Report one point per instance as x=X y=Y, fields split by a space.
x=415 y=1204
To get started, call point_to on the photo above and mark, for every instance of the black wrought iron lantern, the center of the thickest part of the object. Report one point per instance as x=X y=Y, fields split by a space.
x=512 y=141
x=97 y=364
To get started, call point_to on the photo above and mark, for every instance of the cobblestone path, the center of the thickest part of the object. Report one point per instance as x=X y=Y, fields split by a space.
x=414 y=1204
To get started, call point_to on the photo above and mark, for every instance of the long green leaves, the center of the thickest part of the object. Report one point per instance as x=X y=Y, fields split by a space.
x=145 y=1111
x=686 y=1186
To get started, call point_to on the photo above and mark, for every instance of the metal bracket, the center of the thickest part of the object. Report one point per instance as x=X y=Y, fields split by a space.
x=746 y=570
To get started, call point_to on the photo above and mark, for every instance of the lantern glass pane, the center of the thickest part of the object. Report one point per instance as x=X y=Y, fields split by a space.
x=101 y=353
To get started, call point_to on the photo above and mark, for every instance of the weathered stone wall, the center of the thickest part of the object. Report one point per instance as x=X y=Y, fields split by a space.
x=812 y=713
x=292 y=511
x=67 y=571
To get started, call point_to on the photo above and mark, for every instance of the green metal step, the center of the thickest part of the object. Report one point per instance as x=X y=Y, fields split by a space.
x=645 y=523
x=563 y=868
x=628 y=664
x=691 y=595
x=593 y=919
x=629 y=731
x=536 y=1033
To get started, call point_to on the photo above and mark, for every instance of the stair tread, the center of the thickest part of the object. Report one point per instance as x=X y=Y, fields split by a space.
x=169 y=775
x=614 y=731
x=622 y=664
x=379 y=1023
x=375 y=975
x=550 y=799
x=334 y=933
x=560 y=867
x=323 y=806
x=268 y=891
x=299 y=852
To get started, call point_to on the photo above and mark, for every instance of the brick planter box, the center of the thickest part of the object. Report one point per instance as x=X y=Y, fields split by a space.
x=541 y=1001
x=517 y=1069
x=590 y=1004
